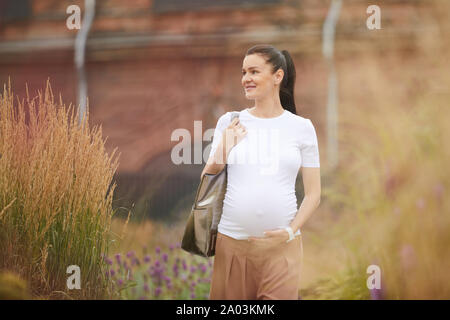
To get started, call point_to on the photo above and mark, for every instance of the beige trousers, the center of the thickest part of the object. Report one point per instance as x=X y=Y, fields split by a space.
x=246 y=270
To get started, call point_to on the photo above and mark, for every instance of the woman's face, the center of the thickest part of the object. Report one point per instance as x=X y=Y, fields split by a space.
x=257 y=78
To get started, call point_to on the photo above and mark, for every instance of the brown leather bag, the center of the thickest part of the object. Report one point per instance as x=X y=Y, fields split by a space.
x=201 y=228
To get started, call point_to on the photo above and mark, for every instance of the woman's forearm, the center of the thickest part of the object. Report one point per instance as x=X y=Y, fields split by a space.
x=217 y=162
x=308 y=206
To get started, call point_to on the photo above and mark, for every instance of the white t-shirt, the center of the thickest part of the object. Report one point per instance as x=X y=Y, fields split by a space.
x=262 y=170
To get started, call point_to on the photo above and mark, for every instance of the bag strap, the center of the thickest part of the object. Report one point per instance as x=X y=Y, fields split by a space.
x=234 y=114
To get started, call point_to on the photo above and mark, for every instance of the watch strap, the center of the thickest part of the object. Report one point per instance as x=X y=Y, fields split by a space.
x=291 y=234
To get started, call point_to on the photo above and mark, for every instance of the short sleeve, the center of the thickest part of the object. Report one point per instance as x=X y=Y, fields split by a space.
x=309 y=146
x=222 y=123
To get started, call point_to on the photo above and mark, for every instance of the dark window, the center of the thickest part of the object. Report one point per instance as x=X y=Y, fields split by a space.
x=161 y=6
x=13 y=10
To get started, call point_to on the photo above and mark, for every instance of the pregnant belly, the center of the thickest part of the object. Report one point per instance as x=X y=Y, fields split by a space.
x=252 y=213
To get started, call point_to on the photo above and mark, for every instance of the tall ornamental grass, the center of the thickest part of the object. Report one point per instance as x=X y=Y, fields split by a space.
x=55 y=195
x=389 y=191
x=391 y=188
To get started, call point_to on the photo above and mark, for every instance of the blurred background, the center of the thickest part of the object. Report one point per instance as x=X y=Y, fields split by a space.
x=154 y=66
x=379 y=103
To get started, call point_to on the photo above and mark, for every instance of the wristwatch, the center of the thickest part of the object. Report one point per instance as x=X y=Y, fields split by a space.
x=291 y=234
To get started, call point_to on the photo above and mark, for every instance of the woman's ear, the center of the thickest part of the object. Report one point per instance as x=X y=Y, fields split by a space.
x=279 y=76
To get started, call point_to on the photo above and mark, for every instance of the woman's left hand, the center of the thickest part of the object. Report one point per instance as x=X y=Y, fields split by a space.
x=272 y=237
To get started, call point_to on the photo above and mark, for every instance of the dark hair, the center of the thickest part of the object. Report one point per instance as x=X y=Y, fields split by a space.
x=280 y=59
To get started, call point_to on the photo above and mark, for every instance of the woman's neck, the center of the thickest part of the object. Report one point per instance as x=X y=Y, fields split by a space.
x=267 y=108
x=267 y=111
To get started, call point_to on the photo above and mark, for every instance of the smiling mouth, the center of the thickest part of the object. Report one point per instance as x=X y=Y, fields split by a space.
x=250 y=87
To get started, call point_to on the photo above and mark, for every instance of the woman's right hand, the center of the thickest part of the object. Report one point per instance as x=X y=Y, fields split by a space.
x=233 y=134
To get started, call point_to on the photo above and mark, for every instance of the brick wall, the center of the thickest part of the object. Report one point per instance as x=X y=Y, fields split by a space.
x=151 y=72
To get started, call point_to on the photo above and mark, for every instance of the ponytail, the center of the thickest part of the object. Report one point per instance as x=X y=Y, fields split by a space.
x=287 y=85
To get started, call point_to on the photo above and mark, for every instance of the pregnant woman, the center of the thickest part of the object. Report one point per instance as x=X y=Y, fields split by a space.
x=259 y=247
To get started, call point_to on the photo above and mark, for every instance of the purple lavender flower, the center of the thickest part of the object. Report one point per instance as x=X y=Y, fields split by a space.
x=175 y=270
x=112 y=272
x=130 y=254
x=158 y=250
x=165 y=257
x=157 y=272
x=119 y=282
x=193 y=269
x=171 y=247
x=158 y=291
x=147 y=259
x=108 y=261
x=202 y=268
x=184 y=265
x=376 y=294
x=157 y=263
x=118 y=258
x=192 y=295
x=135 y=261
x=107 y=273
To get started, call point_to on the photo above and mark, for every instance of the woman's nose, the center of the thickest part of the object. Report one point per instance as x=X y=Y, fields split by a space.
x=246 y=80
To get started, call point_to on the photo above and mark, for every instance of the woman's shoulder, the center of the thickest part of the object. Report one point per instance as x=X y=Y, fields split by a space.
x=229 y=114
x=298 y=120
x=224 y=119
